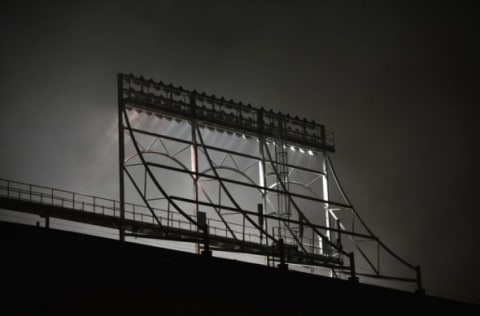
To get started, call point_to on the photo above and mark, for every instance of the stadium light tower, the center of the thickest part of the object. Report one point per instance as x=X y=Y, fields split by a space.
x=218 y=175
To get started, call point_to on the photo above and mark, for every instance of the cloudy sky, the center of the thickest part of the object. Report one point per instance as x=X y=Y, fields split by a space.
x=395 y=80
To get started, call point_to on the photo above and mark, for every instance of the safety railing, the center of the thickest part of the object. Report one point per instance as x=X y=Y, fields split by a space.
x=109 y=207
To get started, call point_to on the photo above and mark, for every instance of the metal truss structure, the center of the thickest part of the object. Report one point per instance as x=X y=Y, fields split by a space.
x=223 y=176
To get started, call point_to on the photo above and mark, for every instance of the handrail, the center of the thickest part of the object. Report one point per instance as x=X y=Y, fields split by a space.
x=93 y=204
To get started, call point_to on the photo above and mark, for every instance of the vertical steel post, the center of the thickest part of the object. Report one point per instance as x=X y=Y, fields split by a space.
x=420 y=289
x=339 y=234
x=121 y=154
x=263 y=182
x=281 y=249
x=260 y=219
x=194 y=164
x=262 y=176
x=326 y=246
x=378 y=257
x=243 y=229
x=353 y=274
x=206 y=249
x=325 y=194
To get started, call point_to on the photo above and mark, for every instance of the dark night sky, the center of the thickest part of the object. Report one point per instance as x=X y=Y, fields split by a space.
x=395 y=80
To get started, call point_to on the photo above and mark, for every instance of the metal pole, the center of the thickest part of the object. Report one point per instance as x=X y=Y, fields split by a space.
x=281 y=248
x=121 y=154
x=353 y=275
x=243 y=229
x=194 y=166
x=326 y=245
x=263 y=181
x=260 y=219
x=339 y=234
x=420 y=289
x=378 y=257
x=325 y=195
x=206 y=251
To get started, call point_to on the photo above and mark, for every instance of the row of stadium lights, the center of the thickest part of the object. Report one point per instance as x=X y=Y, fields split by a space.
x=292 y=148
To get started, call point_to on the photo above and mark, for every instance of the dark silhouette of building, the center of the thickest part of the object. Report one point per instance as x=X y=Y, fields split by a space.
x=46 y=271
